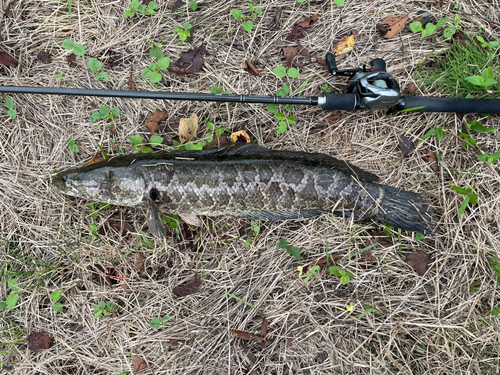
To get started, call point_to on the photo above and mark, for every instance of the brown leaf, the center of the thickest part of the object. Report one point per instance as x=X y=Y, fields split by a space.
x=240 y=137
x=419 y=260
x=406 y=145
x=139 y=364
x=296 y=33
x=344 y=45
x=76 y=327
x=308 y=22
x=249 y=353
x=218 y=142
x=130 y=82
x=334 y=117
x=38 y=341
x=96 y=158
x=289 y=341
x=44 y=57
x=410 y=90
x=14 y=10
x=391 y=25
x=356 y=34
x=189 y=62
x=247 y=336
x=139 y=262
x=188 y=128
x=7 y=60
x=263 y=328
x=118 y=222
x=186 y=290
x=382 y=238
x=276 y=18
x=251 y=68
x=303 y=51
x=430 y=157
x=290 y=53
x=71 y=59
x=153 y=119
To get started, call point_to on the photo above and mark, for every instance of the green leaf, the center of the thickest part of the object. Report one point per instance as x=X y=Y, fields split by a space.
x=193 y=5
x=493 y=45
x=475 y=80
x=12 y=113
x=339 y=2
x=488 y=73
x=13 y=284
x=457 y=20
x=134 y=5
x=483 y=157
x=292 y=250
x=72 y=145
x=430 y=28
x=247 y=26
x=9 y=103
x=128 y=13
x=291 y=120
x=136 y=139
x=95 y=116
x=103 y=76
x=155 y=140
x=58 y=307
x=155 y=77
x=293 y=73
x=286 y=89
x=288 y=107
x=146 y=73
x=155 y=322
x=416 y=27
x=115 y=111
x=216 y=90
x=236 y=13
x=334 y=270
x=187 y=26
x=463 y=206
x=56 y=296
x=68 y=44
x=344 y=280
x=495 y=156
x=164 y=63
x=460 y=190
x=146 y=150
x=142 y=8
x=273 y=108
x=449 y=32
x=477 y=127
x=153 y=5
x=2 y=306
x=282 y=127
x=480 y=38
x=473 y=198
x=104 y=111
x=95 y=65
x=280 y=71
x=11 y=300
x=419 y=236
x=489 y=82
x=79 y=50
x=430 y=133
x=280 y=116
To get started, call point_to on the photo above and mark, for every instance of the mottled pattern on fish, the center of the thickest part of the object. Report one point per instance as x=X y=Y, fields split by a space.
x=247 y=181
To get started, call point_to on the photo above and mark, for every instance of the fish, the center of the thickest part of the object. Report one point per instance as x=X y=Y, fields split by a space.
x=247 y=181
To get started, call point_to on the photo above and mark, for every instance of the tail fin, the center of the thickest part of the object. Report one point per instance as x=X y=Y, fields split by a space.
x=406 y=210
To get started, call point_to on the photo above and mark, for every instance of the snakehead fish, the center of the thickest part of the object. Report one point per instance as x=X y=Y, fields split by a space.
x=248 y=181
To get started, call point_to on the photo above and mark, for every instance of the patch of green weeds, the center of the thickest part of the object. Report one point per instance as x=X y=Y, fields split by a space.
x=452 y=71
x=157 y=322
x=496 y=312
x=153 y=71
x=103 y=308
x=292 y=250
x=92 y=229
x=326 y=88
x=105 y=113
x=11 y=110
x=345 y=275
x=72 y=145
x=437 y=132
x=95 y=66
x=254 y=231
x=97 y=208
x=448 y=32
x=172 y=221
x=470 y=198
x=219 y=130
x=311 y=271
x=218 y=90
x=283 y=120
x=248 y=24
x=69 y=45
x=491 y=45
x=193 y=5
x=368 y=310
x=138 y=142
x=137 y=6
x=183 y=32
x=55 y=297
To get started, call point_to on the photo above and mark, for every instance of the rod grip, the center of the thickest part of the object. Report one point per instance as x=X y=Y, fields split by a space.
x=345 y=102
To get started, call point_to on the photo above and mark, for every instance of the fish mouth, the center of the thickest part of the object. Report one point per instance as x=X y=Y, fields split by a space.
x=59 y=181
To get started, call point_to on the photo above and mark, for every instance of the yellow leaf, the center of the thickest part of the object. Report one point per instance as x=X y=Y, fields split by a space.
x=188 y=128
x=241 y=133
x=344 y=46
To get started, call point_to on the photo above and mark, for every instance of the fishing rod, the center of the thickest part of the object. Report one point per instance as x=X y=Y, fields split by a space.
x=372 y=88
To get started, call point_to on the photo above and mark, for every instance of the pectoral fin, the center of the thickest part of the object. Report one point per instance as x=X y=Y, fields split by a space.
x=154 y=217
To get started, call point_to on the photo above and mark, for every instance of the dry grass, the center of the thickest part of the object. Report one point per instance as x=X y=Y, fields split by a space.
x=427 y=325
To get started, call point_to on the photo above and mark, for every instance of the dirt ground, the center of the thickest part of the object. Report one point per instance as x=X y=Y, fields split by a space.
x=445 y=322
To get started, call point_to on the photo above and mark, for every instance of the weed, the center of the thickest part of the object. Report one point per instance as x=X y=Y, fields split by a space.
x=10 y=105
x=437 y=132
x=138 y=141
x=69 y=45
x=92 y=229
x=157 y=322
x=326 y=88
x=136 y=5
x=491 y=45
x=13 y=297
x=95 y=66
x=72 y=145
x=155 y=140
x=219 y=130
x=283 y=120
x=103 y=308
x=183 y=31
x=70 y=6
x=486 y=79
x=368 y=310
x=96 y=209
x=448 y=32
x=254 y=231
x=470 y=197
x=172 y=221
x=238 y=15
x=218 y=90
x=105 y=113
x=292 y=250
x=60 y=75
x=345 y=276
x=55 y=297
x=193 y=5
x=311 y=271
x=162 y=63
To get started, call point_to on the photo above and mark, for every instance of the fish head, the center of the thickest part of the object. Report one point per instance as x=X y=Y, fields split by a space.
x=118 y=186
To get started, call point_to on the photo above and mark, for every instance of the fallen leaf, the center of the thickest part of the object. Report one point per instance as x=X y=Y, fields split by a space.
x=71 y=59
x=38 y=341
x=247 y=336
x=130 y=82
x=14 y=10
x=44 y=57
x=251 y=68
x=7 y=60
x=356 y=34
x=367 y=255
x=382 y=238
x=249 y=353
x=410 y=90
x=118 y=222
x=391 y=25
x=430 y=157
x=218 y=142
x=96 y=158
x=308 y=22
x=240 y=137
x=296 y=33
x=76 y=327
x=406 y=145
x=333 y=117
x=419 y=260
x=189 y=62
x=290 y=53
x=289 y=341
x=186 y=290
x=153 y=119
x=139 y=262
x=276 y=19
x=263 y=328
x=321 y=61
x=303 y=51
x=188 y=128
x=461 y=38
x=344 y=46
x=139 y=364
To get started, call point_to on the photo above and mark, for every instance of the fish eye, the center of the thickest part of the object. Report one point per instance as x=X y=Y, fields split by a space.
x=65 y=178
